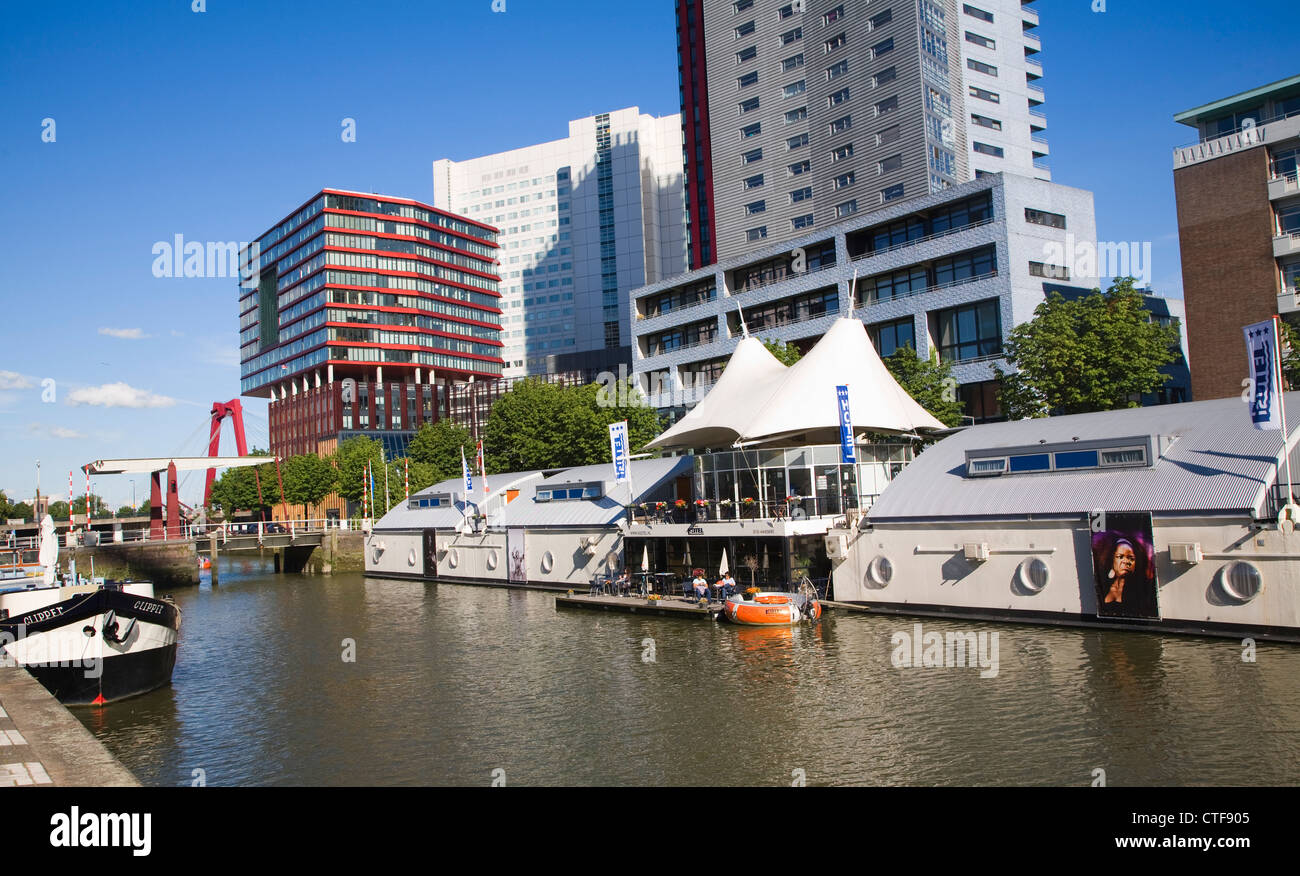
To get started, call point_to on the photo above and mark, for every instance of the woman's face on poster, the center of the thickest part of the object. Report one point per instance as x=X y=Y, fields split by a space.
x=1124 y=562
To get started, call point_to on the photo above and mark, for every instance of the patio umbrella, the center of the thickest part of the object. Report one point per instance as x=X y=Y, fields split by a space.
x=688 y=554
x=723 y=568
x=645 y=558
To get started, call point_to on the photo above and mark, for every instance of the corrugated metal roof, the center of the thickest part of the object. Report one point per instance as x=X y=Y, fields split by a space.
x=647 y=476
x=1217 y=462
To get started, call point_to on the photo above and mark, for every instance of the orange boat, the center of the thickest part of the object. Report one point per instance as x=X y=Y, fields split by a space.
x=771 y=609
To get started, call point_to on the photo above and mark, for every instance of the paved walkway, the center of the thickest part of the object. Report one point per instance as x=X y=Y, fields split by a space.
x=42 y=743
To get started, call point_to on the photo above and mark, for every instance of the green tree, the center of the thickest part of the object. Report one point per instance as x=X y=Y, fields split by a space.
x=522 y=431
x=308 y=479
x=1098 y=353
x=438 y=446
x=543 y=425
x=786 y=354
x=929 y=382
x=6 y=509
x=350 y=460
x=1290 y=355
x=237 y=489
x=58 y=510
x=21 y=510
x=126 y=511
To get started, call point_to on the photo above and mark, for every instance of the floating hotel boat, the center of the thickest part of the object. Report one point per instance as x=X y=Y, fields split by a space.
x=768 y=609
x=1170 y=519
x=88 y=641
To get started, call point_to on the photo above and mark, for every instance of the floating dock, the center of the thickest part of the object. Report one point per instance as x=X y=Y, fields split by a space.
x=42 y=743
x=674 y=606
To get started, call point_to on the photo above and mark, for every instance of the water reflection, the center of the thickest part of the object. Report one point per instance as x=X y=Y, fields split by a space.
x=451 y=682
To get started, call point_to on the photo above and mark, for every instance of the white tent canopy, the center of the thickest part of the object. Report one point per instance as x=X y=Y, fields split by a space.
x=750 y=378
x=756 y=403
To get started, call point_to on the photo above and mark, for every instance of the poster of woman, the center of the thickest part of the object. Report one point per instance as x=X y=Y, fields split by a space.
x=1124 y=566
x=518 y=571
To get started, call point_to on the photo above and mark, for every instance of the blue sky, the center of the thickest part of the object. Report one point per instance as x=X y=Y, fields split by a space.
x=215 y=124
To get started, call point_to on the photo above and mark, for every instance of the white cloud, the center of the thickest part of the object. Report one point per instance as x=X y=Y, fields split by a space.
x=54 y=431
x=118 y=395
x=129 y=334
x=14 y=380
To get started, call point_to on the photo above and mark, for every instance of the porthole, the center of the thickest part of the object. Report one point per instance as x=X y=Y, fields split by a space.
x=1241 y=581
x=453 y=558
x=410 y=557
x=548 y=562
x=1033 y=575
x=880 y=572
x=492 y=559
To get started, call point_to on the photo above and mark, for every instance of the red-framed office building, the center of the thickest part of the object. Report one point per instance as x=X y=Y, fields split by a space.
x=361 y=313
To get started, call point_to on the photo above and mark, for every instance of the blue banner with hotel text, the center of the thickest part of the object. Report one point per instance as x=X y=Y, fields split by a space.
x=848 y=454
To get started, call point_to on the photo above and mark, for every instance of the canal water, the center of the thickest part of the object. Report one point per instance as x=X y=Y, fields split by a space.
x=460 y=685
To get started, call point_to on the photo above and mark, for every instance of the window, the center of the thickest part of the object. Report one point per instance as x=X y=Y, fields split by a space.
x=837 y=69
x=747 y=80
x=802 y=194
x=886 y=106
x=834 y=15
x=977 y=13
x=986 y=149
x=1127 y=456
x=848 y=208
x=888 y=135
x=745 y=29
x=751 y=130
x=845 y=180
x=841 y=153
x=887 y=337
x=804 y=221
x=884 y=77
x=786 y=11
x=980 y=40
x=796 y=115
x=897 y=284
x=751 y=156
x=984 y=95
x=749 y=106
x=882 y=47
x=748 y=54
x=1076 y=459
x=985 y=122
x=969 y=332
x=797 y=141
x=1041 y=217
x=754 y=234
x=881 y=19
x=800 y=167
x=891 y=164
x=981 y=67
x=893 y=193
x=1051 y=272
x=755 y=207
x=838 y=97
x=792 y=63
x=791 y=36
x=794 y=89
x=752 y=182
x=835 y=42
x=741 y=5
x=839 y=126
x=973 y=265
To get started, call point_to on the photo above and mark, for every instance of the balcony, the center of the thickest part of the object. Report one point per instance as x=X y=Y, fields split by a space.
x=1286 y=244
x=1032 y=42
x=1287 y=301
x=1283 y=186
x=1034 y=66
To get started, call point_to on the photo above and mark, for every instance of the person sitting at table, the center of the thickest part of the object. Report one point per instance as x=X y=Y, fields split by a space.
x=701 y=585
x=624 y=583
x=727 y=585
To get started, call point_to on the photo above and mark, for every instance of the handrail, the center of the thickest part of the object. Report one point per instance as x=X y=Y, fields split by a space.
x=937 y=288
x=918 y=240
x=1259 y=123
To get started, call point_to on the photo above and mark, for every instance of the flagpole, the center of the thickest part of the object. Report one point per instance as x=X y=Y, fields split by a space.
x=1281 y=399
